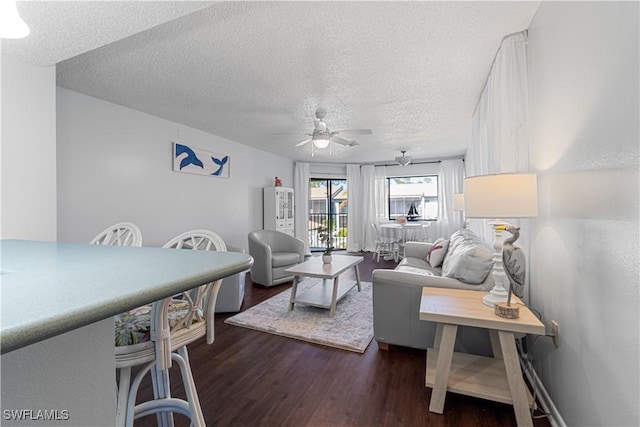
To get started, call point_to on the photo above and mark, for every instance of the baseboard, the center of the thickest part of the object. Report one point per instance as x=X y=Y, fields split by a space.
x=542 y=396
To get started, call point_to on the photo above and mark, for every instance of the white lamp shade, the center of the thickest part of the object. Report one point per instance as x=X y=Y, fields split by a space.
x=11 y=24
x=458 y=202
x=510 y=195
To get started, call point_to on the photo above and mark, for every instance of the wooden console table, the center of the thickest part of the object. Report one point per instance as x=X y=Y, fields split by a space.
x=498 y=378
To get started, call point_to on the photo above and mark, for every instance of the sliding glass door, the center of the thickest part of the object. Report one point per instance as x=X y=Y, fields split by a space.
x=328 y=208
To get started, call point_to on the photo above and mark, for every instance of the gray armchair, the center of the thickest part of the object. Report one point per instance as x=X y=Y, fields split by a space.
x=273 y=252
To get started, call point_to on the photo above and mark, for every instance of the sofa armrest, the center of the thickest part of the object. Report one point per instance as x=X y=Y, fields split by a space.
x=417 y=249
x=300 y=248
x=402 y=278
x=396 y=307
x=261 y=270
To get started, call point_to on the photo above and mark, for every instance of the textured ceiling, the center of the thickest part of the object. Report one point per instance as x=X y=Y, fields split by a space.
x=410 y=71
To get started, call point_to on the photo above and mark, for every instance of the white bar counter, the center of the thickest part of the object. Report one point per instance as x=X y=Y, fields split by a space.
x=56 y=327
x=51 y=288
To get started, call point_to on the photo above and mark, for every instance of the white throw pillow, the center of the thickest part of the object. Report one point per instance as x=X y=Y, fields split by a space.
x=436 y=254
x=469 y=258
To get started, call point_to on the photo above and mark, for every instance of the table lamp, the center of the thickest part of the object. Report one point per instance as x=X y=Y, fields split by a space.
x=458 y=206
x=509 y=195
x=458 y=202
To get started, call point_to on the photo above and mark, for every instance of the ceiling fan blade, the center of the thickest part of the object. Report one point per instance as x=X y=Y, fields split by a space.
x=354 y=132
x=342 y=141
x=301 y=143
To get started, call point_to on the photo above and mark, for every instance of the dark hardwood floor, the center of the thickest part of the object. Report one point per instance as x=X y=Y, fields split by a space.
x=251 y=378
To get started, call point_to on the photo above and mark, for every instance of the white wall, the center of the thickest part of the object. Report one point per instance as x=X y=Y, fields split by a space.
x=115 y=164
x=73 y=372
x=61 y=373
x=28 y=151
x=583 y=91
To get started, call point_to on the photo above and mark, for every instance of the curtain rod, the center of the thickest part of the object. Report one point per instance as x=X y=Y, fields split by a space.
x=412 y=163
x=374 y=164
x=423 y=162
x=486 y=80
x=419 y=162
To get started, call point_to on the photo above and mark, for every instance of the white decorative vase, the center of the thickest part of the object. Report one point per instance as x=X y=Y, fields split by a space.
x=326 y=258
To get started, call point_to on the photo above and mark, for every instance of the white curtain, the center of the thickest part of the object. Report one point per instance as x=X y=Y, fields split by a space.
x=301 y=187
x=450 y=181
x=355 y=198
x=368 y=175
x=500 y=135
x=500 y=132
x=380 y=194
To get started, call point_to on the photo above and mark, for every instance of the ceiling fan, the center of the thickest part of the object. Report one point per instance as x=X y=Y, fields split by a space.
x=322 y=137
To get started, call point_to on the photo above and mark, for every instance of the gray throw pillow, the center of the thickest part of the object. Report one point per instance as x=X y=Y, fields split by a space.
x=469 y=258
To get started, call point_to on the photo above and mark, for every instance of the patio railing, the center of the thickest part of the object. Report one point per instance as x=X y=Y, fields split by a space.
x=338 y=230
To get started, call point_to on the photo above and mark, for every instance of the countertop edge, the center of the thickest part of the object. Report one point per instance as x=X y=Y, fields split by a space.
x=15 y=338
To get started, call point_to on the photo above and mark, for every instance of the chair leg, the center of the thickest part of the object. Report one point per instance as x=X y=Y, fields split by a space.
x=167 y=405
x=123 y=395
x=182 y=357
x=133 y=392
x=162 y=390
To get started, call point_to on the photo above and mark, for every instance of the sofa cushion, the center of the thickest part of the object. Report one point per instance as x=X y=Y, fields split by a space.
x=468 y=259
x=280 y=259
x=436 y=254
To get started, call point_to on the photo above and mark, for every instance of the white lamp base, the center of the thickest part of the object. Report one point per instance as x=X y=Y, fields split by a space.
x=496 y=295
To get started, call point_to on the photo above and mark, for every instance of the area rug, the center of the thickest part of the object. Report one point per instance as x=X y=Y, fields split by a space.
x=350 y=329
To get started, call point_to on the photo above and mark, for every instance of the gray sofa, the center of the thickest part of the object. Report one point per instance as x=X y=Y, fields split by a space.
x=397 y=293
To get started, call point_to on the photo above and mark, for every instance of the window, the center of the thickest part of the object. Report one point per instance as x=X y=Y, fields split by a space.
x=409 y=192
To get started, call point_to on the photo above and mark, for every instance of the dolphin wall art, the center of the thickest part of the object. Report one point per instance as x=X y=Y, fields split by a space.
x=200 y=162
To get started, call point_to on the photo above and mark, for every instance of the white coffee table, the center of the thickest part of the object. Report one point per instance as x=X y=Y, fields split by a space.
x=325 y=295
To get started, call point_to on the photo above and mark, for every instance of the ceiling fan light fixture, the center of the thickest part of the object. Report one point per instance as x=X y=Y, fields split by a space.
x=321 y=142
x=11 y=24
x=403 y=160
